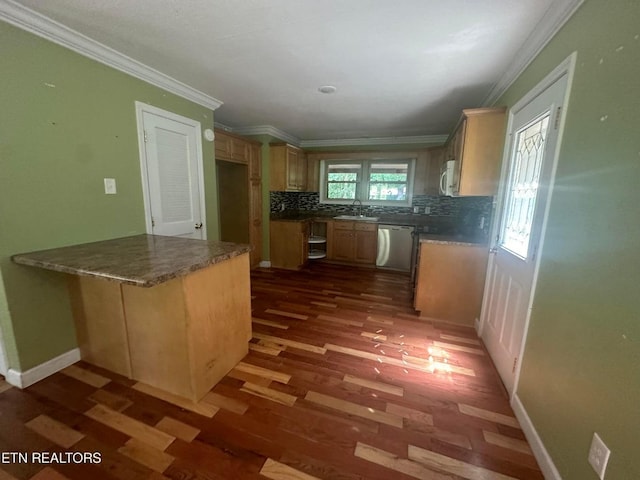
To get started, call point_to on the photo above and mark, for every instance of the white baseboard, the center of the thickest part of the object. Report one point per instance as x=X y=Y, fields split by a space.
x=37 y=373
x=265 y=264
x=547 y=466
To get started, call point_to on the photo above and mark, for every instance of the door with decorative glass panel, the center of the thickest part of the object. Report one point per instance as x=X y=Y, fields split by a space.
x=524 y=195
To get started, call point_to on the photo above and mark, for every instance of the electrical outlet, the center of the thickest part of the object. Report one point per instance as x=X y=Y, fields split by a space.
x=427 y=210
x=599 y=455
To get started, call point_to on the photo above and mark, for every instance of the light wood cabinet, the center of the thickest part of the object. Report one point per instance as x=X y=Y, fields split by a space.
x=287 y=167
x=450 y=281
x=255 y=203
x=313 y=173
x=427 y=176
x=352 y=242
x=230 y=147
x=289 y=244
x=477 y=147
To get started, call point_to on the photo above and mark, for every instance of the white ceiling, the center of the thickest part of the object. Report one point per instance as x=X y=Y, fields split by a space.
x=401 y=68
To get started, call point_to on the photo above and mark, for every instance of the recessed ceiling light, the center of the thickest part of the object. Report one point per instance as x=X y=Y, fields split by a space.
x=327 y=89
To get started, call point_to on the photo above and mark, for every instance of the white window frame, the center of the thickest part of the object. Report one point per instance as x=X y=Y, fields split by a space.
x=362 y=186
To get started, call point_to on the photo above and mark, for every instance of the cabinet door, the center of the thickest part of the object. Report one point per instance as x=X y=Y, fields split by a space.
x=239 y=150
x=289 y=244
x=313 y=174
x=366 y=247
x=481 y=153
x=292 y=169
x=343 y=245
x=222 y=144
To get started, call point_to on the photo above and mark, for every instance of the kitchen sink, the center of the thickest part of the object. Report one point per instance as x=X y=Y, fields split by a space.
x=357 y=217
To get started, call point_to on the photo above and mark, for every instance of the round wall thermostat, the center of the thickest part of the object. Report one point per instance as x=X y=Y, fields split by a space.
x=209 y=135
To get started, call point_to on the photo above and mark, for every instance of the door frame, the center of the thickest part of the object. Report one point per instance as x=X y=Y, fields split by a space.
x=3 y=358
x=567 y=67
x=142 y=108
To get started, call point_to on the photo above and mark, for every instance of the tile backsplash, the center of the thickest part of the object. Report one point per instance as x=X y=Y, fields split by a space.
x=440 y=206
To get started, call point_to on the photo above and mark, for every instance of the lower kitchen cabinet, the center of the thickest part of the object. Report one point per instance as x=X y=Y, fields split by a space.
x=352 y=242
x=289 y=242
x=450 y=281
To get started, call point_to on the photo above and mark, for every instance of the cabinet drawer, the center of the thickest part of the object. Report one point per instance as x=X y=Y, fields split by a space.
x=365 y=227
x=339 y=225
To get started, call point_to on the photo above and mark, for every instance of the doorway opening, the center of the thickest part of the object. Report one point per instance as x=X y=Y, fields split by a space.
x=233 y=201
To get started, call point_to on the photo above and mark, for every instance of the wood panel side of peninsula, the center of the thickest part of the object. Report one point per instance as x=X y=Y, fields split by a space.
x=181 y=336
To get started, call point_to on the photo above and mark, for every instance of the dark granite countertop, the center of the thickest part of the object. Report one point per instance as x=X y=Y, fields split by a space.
x=141 y=260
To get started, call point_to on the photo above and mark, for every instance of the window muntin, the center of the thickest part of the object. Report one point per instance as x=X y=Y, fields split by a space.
x=342 y=180
x=371 y=181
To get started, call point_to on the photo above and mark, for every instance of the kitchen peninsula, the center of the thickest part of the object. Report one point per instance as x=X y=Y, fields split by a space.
x=170 y=312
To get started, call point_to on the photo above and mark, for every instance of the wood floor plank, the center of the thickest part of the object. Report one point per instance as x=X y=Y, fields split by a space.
x=455 y=338
x=459 y=348
x=410 y=413
x=383 y=387
x=230 y=404
x=297 y=316
x=256 y=347
x=489 y=415
x=354 y=409
x=507 y=442
x=263 y=372
x=48 y=473
x=451 y=465
x=127 y=425
x=4 y=386
x=269 y=394
x=111 y=400
x=57 y=432
x=279 y=471
x=6 y=476
x=290 y=343
x=148 y=456
x=269 y=323
x=393 y=462
x=86 y=376
x=200 y=408
x=374 y=336
x=340 y=321
x=177 y=429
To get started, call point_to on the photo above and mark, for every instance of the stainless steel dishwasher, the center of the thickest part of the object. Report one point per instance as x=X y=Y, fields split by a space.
x=395 y=247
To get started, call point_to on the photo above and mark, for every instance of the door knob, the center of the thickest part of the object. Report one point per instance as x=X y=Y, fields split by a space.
x=198 y=226
x=493 y=250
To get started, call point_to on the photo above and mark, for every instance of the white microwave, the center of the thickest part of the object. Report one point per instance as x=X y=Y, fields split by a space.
x=449 y=178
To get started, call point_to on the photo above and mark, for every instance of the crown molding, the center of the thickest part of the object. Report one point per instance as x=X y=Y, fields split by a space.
x=222 y=126
x=42 y=26
x=553 y=20
x=268 y=130
x=352 y=142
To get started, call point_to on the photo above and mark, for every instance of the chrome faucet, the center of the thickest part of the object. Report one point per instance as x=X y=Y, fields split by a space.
x=353 y=206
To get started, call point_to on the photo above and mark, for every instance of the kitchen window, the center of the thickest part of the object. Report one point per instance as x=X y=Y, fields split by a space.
x=372 y=181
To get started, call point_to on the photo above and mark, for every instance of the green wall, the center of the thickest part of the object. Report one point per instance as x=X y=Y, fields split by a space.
x=581 y=368
x=67 y=122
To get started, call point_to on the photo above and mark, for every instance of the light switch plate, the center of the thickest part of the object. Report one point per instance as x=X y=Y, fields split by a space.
x=598 y=455
x=110 y=186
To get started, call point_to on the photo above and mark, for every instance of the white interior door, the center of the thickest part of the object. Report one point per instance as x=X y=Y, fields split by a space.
x=525 y=192
x=171 y=163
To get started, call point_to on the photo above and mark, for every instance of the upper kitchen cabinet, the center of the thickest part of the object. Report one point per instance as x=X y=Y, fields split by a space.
x=288 y=168
x=313 y=172
x=476 y=145
x=427 y=175
x=231 y=148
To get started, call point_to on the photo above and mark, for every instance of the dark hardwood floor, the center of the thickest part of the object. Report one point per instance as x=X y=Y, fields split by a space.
x=342 y=381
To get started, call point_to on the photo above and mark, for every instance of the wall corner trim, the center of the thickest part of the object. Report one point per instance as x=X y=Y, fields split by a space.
x=547 y=466
x=39 y=372
x=42 y=26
